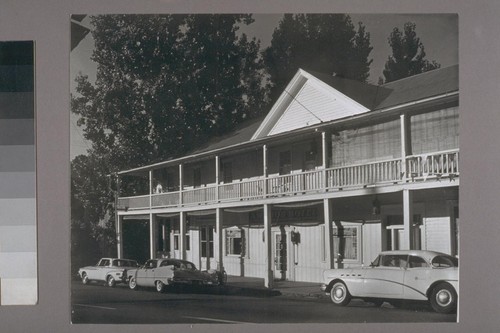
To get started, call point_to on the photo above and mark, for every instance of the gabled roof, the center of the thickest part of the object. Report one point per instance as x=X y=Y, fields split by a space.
x=363 y=97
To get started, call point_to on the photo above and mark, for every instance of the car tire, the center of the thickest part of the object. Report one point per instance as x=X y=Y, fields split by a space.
x=443 y=298
x=160 y=286
x=339 y=294
x=110 y=281
x=132 y=283
x=85 y=278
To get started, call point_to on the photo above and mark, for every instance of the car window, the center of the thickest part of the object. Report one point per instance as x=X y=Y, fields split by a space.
x=442 y=261
x=393 y=260
x=165 y=263
x=415 y=261
x=104 y=262
x=150 y=264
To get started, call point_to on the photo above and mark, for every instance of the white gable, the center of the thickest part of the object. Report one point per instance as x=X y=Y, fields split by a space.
x=307 y=101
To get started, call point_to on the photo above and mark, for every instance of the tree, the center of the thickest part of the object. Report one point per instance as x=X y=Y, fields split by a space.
x=324 y=43
x=167 y=83
x=408 y=55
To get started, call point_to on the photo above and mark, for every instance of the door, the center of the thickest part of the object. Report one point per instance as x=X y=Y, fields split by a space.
x=386 y=277
x=280 y=255
x=206 y=246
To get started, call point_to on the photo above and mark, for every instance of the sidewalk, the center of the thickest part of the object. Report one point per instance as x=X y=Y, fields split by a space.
x=256 y=286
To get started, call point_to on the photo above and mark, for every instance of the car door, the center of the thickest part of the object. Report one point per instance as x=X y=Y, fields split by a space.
x=145 y=275
x=416 y=279
x=385 y=278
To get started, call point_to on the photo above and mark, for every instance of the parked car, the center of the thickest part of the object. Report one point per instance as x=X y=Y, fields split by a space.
x=109 y=270
x=159 y=273
x=398 y=275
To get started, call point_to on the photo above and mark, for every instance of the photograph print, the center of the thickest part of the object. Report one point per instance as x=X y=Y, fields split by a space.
x=264 y=168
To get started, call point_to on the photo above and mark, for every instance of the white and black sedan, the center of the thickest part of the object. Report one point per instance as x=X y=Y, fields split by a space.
x=159 y=273
x=398 y=275
x=108 y=270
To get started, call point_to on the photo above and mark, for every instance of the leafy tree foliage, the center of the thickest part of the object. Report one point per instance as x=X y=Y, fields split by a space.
x=408 y=55
x=166 y=83
x=327 y=43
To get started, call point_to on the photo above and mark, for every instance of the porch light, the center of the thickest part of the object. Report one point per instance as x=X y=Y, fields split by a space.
x=375 y=207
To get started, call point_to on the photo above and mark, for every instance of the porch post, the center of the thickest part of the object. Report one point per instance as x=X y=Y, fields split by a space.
x=407 y=219
x=269 y=277
x=264 y=172
x=150 y=188
x=219 y=221
x=180 y=183
x=326 y=147
x=152 y=236
x=405 y=145
x=119 y=235
x=182 y=235
x=217 y=180
x=327 y=208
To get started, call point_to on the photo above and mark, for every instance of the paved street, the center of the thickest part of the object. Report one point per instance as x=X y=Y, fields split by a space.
x=98 y=304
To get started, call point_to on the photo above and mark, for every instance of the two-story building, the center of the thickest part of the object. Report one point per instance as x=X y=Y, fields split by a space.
x=337 y=171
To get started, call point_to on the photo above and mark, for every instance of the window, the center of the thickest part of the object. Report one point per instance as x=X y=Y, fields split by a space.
x=285 y=162
x=227 y=172
x=187 y=241
x=347 y=242
x=414 y=261
x=197 y=177
x=394 y=260
x=234 y=241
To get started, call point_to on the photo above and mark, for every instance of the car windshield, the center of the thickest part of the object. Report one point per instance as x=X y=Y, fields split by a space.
x=442 y=261
x=124 y=263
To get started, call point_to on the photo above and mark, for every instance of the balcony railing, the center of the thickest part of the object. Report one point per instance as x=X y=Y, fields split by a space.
x=418 y=167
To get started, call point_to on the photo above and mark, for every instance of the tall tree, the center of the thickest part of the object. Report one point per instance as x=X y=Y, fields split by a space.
x=166 y=83
x=408 y=54
x=327 y=43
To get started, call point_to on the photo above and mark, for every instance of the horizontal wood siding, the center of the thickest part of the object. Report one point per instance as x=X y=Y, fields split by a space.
x=437 y=234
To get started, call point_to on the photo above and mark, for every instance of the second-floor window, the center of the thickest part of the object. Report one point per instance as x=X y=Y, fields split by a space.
x=197 y=177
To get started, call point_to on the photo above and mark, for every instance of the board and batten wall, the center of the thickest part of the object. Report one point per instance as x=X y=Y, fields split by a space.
x=18 y=248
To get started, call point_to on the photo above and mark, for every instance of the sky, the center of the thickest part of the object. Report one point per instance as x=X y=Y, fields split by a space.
x=437 y=32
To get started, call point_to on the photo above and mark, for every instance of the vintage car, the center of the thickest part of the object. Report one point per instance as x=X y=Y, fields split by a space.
x=398 y=275
x=108 y=270
x=159 y=273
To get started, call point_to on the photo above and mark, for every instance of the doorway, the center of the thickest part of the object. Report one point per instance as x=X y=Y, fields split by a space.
x=206 y=246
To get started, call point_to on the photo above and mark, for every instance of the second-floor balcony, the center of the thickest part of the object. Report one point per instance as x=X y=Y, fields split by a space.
x=423 y=167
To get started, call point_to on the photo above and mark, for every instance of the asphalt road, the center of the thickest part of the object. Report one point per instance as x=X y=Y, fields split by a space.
x=98 y=304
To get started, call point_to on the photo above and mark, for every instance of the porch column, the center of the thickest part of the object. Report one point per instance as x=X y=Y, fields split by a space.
x=180 y=183
x=119 y=236
x=219 y=221
x=217 y=167
x=407 y=219
x=326 y=144
x=405 y=144
x=150 y=188
x=264 y=172
x=182 y=235
x=327 y=208
x=152 y=236
x=269 y=277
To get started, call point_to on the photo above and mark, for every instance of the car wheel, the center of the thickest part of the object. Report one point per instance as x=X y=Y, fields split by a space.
x=132 y=283
x=110 y=281
x=339 y=294
x=443 y=298
x=85 y=278
x=160 y=286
